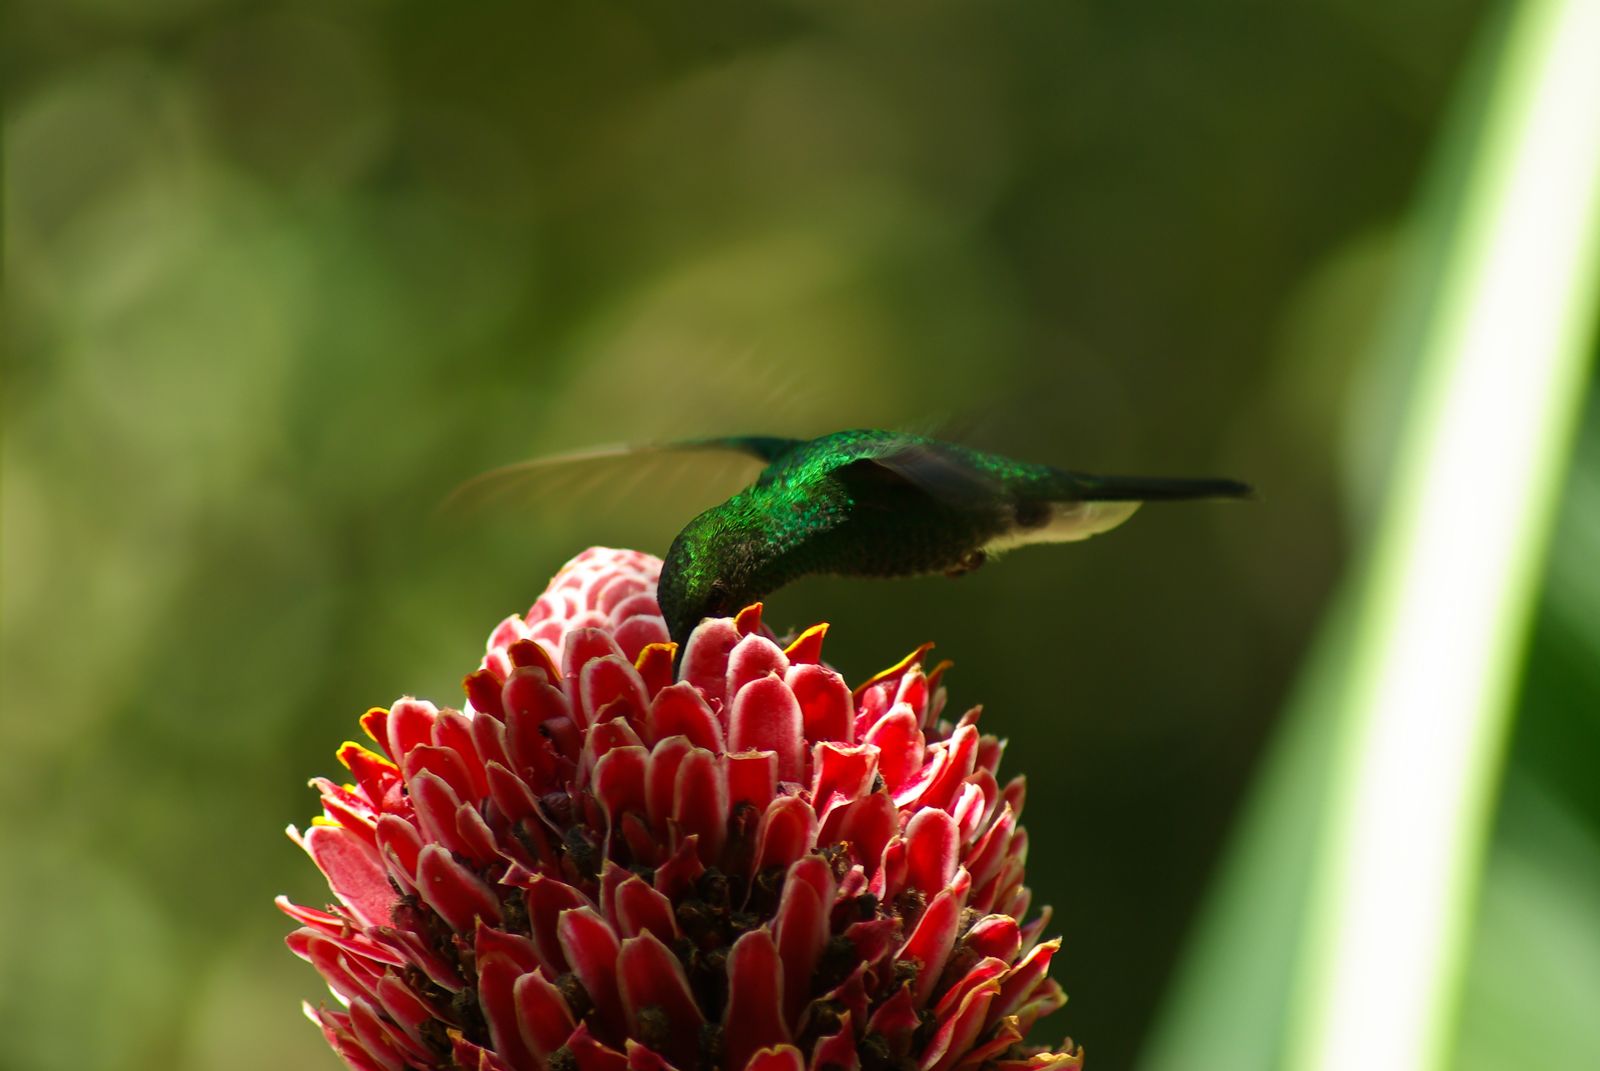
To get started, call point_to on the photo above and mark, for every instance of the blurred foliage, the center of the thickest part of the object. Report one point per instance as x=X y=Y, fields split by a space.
x=1343 y=909
x=280 y=275
x=1533 y=980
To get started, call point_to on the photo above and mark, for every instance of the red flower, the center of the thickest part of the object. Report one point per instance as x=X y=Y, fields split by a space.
x=595 y=868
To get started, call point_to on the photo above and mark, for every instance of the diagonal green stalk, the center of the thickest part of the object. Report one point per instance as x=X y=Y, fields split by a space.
x=1338 y=925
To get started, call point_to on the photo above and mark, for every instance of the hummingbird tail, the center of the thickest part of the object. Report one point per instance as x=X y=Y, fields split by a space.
x=1065 y=507
x=1152 y=488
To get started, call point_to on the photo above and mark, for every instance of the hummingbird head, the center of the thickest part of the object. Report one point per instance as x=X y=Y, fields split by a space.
x=705 y=574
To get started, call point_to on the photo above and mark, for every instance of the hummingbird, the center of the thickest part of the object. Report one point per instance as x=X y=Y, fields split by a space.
x=873 y=503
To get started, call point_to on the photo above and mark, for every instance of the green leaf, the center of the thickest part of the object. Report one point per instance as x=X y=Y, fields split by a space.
x=1338 y=925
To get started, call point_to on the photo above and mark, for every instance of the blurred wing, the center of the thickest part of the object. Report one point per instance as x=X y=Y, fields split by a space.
x=959 y=477
x=684 y=477
x=941 y=471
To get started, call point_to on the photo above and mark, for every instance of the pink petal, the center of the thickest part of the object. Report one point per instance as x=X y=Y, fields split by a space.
x=641 y=909
x=866 y=825
x=601 y=738
x=654 y=663
x=1004 y=1035
x=618 y=589
x=342 y=807
x=410 y=722
x=469 y=1057
x=800 y=930
x=700 y=802
x=376 y=775
x=1016 y=793
x=1032 y=931
x=644 y=1058
x=985 y=971
x=676 y=877
x=990 y=749
x=592 y=949
x=787 y=832
x=489 y=741
x=650 y=977
x=754 y=1016
x=546 y=900
x=607 y=681
x=1045 y=998
x=872 y=938
x=996 y=936
x=638 y=633
x=481 y=848
x=841 y=773
x=850 y=996
x=782 y=1058
x=705 y=656
x=1020 y=982
x=970 y=808
x=751 y=659
x=497 y=975
x=679 y=709
x=752 y=778
x=543 y=1017
x=913 y=692
x=661 y=778
x=642 y=603
x=896 y=1020
x=436 y=803
x=453 y=731
x=459 y=896
x=766 y=717
x=900 y=746
x=533 y=691
x=524 y=652
x=963 y=750
x=590 y=1055
x=444 y=763
x=955 y=1035
x=932 y=851
x=581 y=646
x=510 y=793
x=336 y=1028
x=619 y=780
x=826 y=709
x=355 y=872
x=351 y=977
x=483 y=692
x=837 y=1052
x=929 y=944
x=401 y=1003
x=989 y=854
x=337 y=928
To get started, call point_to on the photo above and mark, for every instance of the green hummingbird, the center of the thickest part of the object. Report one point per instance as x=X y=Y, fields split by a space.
x=873 y=503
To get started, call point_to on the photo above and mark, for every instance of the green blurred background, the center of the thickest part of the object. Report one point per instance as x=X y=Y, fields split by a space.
x=279 y=275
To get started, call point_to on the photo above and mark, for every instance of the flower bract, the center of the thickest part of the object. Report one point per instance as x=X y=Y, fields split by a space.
x=606 y=863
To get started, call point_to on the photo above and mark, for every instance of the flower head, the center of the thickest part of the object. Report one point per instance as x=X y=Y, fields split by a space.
x=597 y=867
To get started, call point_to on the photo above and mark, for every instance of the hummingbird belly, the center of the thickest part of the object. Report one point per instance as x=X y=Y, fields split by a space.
x=1066 y=522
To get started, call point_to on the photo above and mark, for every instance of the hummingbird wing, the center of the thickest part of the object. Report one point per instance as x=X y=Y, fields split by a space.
x=943 y=471
x=696 y=473
x=1034 y=503
x=962 y=476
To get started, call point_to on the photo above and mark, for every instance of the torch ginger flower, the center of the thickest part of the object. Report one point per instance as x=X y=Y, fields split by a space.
x=593 y=867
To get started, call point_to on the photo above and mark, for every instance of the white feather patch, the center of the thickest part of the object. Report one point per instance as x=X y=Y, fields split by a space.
x=1069 y=523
